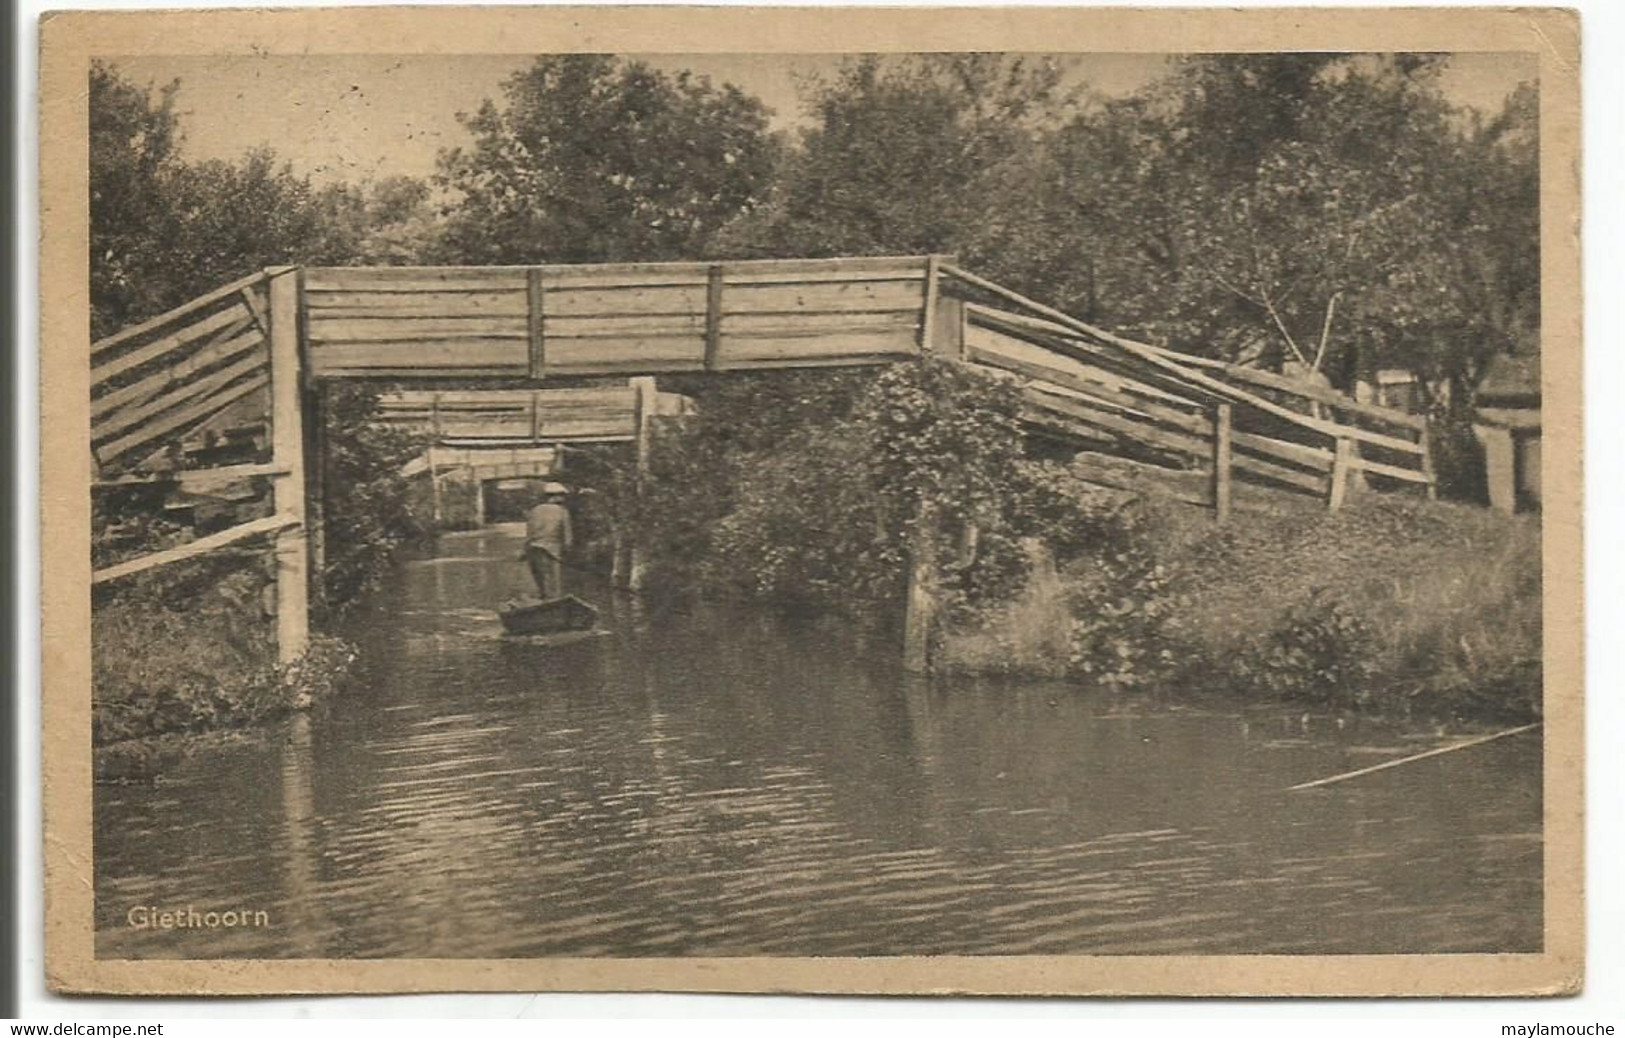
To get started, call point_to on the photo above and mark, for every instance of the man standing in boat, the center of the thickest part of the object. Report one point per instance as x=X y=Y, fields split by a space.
x=547 y=537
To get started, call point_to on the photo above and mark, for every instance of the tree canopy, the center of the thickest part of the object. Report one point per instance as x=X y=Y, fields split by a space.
x=592 y=159
x=1332 y=212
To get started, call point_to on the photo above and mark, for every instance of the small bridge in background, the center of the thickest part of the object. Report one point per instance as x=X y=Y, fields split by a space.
x=475 y=355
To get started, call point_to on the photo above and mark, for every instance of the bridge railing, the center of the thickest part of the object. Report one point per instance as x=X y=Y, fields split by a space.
x=611 y=319
x=1198 y=430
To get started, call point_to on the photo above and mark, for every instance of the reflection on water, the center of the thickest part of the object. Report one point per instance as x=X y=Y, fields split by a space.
x=721 y=783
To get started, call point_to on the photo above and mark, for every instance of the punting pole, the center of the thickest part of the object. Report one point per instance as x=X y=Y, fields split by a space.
x=1479 y=741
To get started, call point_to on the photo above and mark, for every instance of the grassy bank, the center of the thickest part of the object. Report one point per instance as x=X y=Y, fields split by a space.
x=187 y=649
x=1393 y=605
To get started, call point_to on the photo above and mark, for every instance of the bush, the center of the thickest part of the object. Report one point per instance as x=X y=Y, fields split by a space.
x=1321 y=652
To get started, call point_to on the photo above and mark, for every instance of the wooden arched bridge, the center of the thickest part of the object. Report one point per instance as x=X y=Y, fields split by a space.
x=475 y=356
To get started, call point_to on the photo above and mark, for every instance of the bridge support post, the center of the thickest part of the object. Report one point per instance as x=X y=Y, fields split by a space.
x=288 y=455
x=629 y=568
x=1221 y=462
x=919 y=618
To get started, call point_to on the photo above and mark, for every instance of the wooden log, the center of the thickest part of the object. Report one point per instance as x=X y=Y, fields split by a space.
x=288 y=451
x=1221 y=462
x=920 y=609
x=713 y=316
x=1341 y=463
x=535 y=317
x=192 y=549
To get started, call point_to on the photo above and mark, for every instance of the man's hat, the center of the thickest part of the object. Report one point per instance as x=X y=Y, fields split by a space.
x=555 y=488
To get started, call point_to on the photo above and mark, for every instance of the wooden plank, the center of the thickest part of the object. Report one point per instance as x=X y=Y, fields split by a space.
x=415 y=279
x=189 y=478
x=1098 y=363
x=815 y=325
x=119 y=421
x=1316 y=458
x=1192 y=486
x=1195 y=379
x=626 y=300
x=1221 y=461
x=233 y=320
x=256 y=305
x=416 y=329
x=825 y=297
x=614 y=396
x=288 y=451
x=422 y=359
x=899 y=273
x=1098 y=392
x=192 y=549
x=1320 y=394
x=193 y=365
x=1263 y=469
x=1124 y=425
x=743 y=350
x=173 y=420
x=565 y=355
x=713 y=315
x=124 y=335
x=535 y=317
x=613 y=327
x=416 y=304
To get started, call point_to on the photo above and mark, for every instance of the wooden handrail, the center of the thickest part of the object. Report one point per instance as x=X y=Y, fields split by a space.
x=151 y=323
x=191 y=549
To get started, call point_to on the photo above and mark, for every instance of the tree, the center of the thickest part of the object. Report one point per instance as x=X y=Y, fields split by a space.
x=594 y=159
x=163 y=230
x=924 y=153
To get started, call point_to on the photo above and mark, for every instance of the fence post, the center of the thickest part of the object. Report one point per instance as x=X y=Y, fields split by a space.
x=288 y=454
x=1221 y=462
x=920 y=614
x=1425 y=441
x=1342 y=463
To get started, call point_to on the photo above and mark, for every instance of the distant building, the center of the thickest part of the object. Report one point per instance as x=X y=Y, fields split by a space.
x=1508 y=427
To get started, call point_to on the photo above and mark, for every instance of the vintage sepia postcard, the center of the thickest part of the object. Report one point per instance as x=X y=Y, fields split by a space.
x=1008 y=500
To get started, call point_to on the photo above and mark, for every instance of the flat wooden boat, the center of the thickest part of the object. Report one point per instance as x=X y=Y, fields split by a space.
x=553 y=616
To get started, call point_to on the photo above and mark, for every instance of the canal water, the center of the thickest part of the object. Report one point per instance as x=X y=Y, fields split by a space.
x=717 y=782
